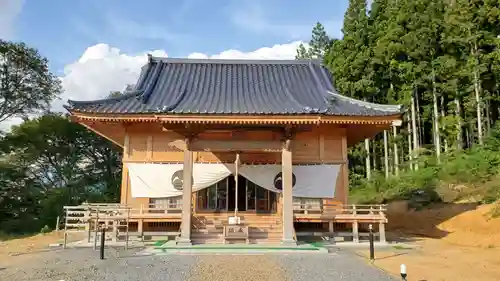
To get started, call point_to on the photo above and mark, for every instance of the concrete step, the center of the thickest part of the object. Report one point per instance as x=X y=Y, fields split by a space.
x=206 y=241
x=272 y=241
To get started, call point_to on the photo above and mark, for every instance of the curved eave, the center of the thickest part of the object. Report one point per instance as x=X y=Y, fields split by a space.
x=386 y=108
x=236 y=119
x=74 y=103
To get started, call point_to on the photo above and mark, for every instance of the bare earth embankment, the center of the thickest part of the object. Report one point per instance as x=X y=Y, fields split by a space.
x=453 y=242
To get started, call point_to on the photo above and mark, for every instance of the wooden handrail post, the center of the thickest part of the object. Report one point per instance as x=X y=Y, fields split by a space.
x=354 y=209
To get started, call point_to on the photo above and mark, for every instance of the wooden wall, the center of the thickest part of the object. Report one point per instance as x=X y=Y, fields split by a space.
x=149 y=143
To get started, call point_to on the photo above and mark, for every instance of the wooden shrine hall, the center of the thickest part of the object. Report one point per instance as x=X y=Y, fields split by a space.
x=229 y=151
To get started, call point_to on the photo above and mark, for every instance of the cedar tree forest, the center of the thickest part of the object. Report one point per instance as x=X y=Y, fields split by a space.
x=439 y=58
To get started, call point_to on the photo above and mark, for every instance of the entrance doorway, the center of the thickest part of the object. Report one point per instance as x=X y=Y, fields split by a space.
x=251 y=198
x=242 y=183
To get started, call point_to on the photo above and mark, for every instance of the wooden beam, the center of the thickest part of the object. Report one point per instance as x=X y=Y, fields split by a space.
x=93 y=129
x=238 y=119
x=241 y=146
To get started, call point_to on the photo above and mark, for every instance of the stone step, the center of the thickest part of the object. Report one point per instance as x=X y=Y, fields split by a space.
x=272 y=241
x=265 y=235
x=256 y=222
x=248 y=218
x=206 y=241
x=205 y=231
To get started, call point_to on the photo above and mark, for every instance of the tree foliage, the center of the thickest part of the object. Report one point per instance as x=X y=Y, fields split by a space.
x=26 y=83
x=46 y=162
x=49 y=162
x=440 y=55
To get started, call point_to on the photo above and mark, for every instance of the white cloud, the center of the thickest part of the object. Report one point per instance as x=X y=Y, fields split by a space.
x=102 y=69
x=277 y=52
x=9 y=11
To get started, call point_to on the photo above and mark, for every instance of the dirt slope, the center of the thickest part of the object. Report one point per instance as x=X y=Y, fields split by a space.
x=460 y=224
x=453 y=242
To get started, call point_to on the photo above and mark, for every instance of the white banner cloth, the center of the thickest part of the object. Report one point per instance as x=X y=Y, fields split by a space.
x=312 y=181
x=165 y=180
x=161 y=180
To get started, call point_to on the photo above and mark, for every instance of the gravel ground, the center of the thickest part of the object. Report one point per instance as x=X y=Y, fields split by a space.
x=83 y=264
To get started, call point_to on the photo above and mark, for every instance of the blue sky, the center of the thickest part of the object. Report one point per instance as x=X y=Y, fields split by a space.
x=63 y=29
x=97 y=46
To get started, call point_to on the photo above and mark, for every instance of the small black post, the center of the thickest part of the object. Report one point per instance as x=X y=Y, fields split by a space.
x=103 y=236
x=372 y=248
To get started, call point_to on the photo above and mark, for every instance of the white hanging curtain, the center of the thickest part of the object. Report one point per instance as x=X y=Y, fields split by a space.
x=312 y=181
x=206 y=174
x=261 y=175
x=165 y=180
x=315 y=181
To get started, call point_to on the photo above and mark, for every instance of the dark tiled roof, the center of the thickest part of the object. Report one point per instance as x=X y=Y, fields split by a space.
x=194 y=86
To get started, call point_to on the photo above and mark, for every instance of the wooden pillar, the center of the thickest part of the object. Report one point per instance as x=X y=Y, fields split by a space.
x=236 y=169
x=187 y=187
x=331 y=229
x=381 y=232
x=355 y=234
x=345 y=168
x=115 y=230
x=286 y=170
x=140 y=229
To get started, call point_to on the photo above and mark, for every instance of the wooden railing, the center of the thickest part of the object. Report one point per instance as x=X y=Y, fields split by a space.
x=78 y=216
x=339 y=210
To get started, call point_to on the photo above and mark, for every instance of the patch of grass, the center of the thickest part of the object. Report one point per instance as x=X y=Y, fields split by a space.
x=11 y=236
x=160 y=243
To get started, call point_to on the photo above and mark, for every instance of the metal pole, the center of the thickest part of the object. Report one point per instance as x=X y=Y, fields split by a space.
x=57 y=223
x=372 y=248
x=103 y=237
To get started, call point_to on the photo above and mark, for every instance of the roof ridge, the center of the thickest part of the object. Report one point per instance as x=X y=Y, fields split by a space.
x=152 y=59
